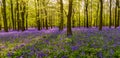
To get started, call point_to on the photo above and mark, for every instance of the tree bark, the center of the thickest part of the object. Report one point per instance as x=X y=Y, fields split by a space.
x=110 y=15
x=23 y=8
x=18 y=19
x=12 y=14
x=87 y=22
x=61 y=14
x=5 y=16
x=101 y=14
x=69 y=31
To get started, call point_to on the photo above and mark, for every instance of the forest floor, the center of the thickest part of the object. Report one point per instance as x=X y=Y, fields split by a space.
x=52 y=43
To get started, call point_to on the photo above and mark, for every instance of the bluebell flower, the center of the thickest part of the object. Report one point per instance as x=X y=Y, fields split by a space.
x=8 y=54
x=111 y=51
x=74 y=48
x=41 y=54
x=64 y=57
x=100 y=54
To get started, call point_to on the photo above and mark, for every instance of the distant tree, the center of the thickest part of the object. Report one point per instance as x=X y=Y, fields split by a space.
x=38 y=15
x=27 y=16
x=110 y=14
x=5 y=16
x=101 y=14
x=97 y=16
x=23 y=9
x=69 y=31
x=118 y=11
x=61 y=15
x=0 y=17
x=12 y=14
x=18 y=14
x=73 y=20
x=86 y=11
x=0 y=23
x=46 y=21
x=46 y=13
x=15 y=17
x=91 y=13
x=116 y=14
x=79 y=15
x=84 y=15
x=79 y=20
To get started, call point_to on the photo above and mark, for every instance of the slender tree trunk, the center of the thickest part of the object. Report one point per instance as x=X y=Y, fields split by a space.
x=97 y=16
x=110 y=16
x=0 y=23
x=1 y=19
x=73 y=20
x=0 y=26
x=51 y=22
x=101 y=14
x=118 y=12
x=46 y=14
x=27 y=17
x=23 y=8
x=91 y=13
x=18 y=19
x=84 y=17
x=43 y=23
x=12 y=14
x=61 y=10
x=116 y=15
x=27 y=20
x=46 y=21
x=69 y=31
x=87 y=22
x=79 y=20
x=38 y=15
x=4 y=16
x=15 y=17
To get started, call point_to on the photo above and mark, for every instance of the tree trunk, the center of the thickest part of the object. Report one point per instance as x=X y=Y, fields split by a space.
x=69 y=31
x=118 y=12
x=12 y=14
x=87 y=22
x=101 y=14
x=27 y=17
x=116 y=15
x=4 y=16
x=15 y=17
x=110 y=16
x=23 y=8
x=79 y=20
x=61 y=14
x=18 y=19
x=46 y=21
x=73 y=20
x=91 y=13
x=38 y=15
x=97 y=15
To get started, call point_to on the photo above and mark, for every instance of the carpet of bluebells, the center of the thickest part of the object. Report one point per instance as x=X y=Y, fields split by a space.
x=52 y=43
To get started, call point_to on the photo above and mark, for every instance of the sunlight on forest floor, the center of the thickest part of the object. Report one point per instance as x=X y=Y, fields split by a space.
x=52 y=43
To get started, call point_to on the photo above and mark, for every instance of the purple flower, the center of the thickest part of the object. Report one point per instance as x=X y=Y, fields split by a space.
x=8 y=54
x=32 y=49
x=99 y=55
x=83 y=53
x=64 y=57
x=74 y=48
x=41 y=54
x=111 y=51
